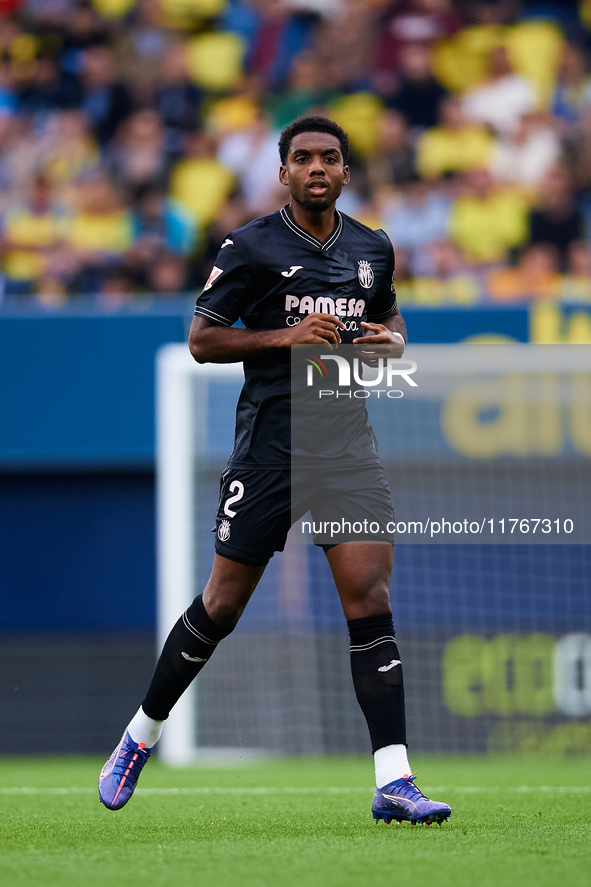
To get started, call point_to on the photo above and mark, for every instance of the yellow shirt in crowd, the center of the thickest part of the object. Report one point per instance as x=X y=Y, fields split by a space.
x=442 y=150
x=31 y=231
x=487 y=228
x=202 y=185
x=104 y=232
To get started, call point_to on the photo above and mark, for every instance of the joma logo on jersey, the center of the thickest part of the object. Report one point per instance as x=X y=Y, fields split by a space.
x=326 y=305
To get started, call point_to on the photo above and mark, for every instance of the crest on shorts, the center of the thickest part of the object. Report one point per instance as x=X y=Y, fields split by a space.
x=365 y=274
x=224 y=531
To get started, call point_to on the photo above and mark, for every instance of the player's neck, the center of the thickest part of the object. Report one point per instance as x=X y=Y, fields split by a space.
x=319 y=225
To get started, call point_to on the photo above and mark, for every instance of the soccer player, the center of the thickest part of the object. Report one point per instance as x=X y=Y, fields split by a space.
x=304 y=275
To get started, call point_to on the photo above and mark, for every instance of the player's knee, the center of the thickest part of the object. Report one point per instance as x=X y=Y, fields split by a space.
x=369 y=600
x=225 y=607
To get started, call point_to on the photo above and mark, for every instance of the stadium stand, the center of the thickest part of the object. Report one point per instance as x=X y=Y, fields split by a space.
x=171 y=110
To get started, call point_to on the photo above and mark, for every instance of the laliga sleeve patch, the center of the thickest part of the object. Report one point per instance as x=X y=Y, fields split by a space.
x=215 y=273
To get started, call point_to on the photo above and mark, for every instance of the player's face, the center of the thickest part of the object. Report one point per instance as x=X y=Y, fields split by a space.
x=314 y=170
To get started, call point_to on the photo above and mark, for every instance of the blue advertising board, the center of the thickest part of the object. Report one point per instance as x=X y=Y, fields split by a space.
x=78 y=387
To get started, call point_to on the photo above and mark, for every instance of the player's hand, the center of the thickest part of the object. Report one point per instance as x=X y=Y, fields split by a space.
x=317 y=329
x=381 y=343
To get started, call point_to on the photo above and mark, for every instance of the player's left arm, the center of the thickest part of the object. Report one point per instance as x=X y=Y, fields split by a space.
x=388 y=333
x=387 y=339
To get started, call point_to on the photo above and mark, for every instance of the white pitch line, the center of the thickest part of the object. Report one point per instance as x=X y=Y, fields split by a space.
x=298 y=790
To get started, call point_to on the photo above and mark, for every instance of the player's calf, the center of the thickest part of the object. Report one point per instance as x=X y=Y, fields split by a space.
x=188 y=647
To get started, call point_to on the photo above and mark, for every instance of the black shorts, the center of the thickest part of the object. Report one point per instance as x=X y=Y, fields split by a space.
x=257 y=508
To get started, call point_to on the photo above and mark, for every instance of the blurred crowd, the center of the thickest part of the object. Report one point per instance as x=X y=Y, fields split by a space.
x=135 y=134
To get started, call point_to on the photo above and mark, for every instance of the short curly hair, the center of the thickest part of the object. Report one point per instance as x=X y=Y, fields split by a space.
x=313 y=124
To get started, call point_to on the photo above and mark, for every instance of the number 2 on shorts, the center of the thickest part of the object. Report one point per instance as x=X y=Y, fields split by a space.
x=235 y=487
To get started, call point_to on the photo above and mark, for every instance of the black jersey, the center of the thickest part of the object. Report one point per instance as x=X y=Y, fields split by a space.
x=270 y=274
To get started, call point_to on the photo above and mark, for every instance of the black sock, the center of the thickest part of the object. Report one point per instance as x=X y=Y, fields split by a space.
x=377 y=678
x=188 y=647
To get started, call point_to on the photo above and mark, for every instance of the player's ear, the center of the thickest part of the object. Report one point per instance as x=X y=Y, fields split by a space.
x=346 y=176
x=283 y=178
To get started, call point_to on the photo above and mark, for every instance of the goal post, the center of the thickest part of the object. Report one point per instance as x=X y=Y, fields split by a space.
x=182 y=398
x=489 y=460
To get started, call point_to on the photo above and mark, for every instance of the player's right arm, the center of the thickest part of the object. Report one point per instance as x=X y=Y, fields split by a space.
x=211 y=343
x=230 y=291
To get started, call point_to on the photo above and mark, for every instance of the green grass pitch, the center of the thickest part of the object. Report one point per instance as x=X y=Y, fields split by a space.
x=298 y=823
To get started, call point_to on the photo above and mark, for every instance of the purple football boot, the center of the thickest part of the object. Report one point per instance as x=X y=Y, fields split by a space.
x=120 y=774
x=403 y=801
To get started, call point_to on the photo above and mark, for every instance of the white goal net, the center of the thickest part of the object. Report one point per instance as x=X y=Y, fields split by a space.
x=489 y=461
